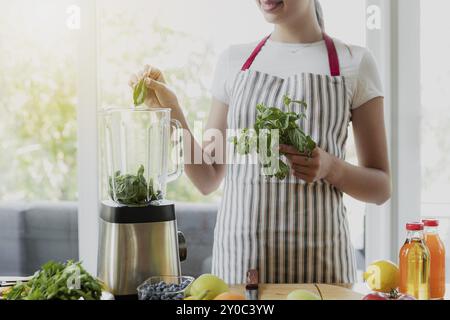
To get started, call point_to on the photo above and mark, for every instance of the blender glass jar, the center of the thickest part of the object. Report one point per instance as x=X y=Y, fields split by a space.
x=137 y=149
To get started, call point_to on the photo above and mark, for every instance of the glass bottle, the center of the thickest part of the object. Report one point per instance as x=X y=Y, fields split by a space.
x=415 y=264
x=437 y=254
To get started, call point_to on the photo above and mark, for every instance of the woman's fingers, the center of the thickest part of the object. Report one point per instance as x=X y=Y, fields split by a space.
x=133 y=81
x=304 y=167
x=149 y=72
x=159 y=94
x=309 y=168
x=288 y=150
x=153 y=73
x=155 y=85
x=305 y=173
x=305 y=170
x=301 y=160
x=162 y=93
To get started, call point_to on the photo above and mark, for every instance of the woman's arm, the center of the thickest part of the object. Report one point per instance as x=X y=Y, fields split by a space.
x=370 y=181
x=207 y=173
x=205 y=164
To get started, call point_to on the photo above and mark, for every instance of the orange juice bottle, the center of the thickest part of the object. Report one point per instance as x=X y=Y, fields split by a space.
x=415 y=264
x=437 y=253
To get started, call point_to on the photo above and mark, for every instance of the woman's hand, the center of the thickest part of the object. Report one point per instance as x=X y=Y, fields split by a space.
x=309 y=169
x=159 y=94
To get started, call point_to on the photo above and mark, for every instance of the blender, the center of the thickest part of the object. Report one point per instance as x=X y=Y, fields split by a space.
x=138 y=236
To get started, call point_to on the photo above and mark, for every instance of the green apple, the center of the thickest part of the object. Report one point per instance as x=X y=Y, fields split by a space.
x=303 y=295
x=210 y=284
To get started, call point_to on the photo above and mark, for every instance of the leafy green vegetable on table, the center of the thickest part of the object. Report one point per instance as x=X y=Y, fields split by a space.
x=132 y=189
x=289 y=133
x=57 y=281
x=140 y=93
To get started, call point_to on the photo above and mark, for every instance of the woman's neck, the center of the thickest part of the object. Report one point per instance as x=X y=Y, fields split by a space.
x=306 y=30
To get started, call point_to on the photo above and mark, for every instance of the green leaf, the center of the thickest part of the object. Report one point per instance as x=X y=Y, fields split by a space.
x=132 y=190
x=140 y=93
x=288 y=101
x=51 y=283
x=289 y=133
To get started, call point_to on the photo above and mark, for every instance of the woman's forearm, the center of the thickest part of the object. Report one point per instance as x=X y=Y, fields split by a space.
x=201 y=169
x=199 y=165
x=365 y=184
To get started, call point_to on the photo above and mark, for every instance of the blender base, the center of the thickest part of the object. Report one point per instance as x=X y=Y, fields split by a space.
x=135 y=244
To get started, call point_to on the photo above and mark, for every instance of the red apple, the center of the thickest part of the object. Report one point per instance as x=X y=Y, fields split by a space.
x=375 y=296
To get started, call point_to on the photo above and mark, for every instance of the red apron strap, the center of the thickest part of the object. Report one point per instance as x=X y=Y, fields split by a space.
x=254 y=54
x=333 y=58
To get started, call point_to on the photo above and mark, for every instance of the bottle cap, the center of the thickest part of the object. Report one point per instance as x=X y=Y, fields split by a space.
x=414 y=226
x=430 y=222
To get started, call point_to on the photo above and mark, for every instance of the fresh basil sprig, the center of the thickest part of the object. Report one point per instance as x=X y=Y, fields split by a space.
x=290 y=133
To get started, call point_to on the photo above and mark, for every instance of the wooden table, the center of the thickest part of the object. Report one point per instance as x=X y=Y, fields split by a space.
x=327 y=292
x=281 y=291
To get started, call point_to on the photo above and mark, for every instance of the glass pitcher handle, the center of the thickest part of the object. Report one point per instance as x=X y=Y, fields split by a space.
x=179 y=152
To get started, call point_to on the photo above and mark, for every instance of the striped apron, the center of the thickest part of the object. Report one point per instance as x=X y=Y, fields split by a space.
x=290 y=231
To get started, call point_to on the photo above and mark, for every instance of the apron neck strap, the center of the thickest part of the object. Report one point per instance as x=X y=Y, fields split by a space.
x=255 y=53
x=333 y=58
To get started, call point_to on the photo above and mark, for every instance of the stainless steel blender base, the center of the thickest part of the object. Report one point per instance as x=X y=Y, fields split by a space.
x=130 y=253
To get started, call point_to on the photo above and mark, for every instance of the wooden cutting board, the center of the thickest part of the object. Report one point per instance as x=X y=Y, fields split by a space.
x=329 y=292
x=281 y=291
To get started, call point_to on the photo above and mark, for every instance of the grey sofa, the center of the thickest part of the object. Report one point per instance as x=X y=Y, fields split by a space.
x=32 y=234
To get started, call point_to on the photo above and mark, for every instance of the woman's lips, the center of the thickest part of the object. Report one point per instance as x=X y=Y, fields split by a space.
x=271 y=5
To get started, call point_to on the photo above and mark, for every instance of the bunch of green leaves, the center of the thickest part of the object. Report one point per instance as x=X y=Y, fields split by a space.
x=139 y=93
x=286 y=124
x=57 y=281
x=132 y=190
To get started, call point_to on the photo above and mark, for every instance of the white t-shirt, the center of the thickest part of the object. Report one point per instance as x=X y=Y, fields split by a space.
x=286 y=59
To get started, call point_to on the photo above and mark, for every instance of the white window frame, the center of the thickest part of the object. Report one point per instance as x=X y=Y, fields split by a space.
x=396 y=46
x=88 y=194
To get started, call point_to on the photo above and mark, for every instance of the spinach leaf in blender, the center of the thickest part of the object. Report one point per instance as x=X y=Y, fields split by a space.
x=132 y=190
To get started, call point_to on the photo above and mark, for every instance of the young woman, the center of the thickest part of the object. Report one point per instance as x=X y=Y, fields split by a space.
x=296 y=230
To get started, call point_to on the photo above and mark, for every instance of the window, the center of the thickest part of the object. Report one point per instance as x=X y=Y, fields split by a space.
x=37 y=101
x=435 y=116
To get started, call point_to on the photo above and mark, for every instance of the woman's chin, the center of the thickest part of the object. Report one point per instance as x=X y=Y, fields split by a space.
x=273 y=18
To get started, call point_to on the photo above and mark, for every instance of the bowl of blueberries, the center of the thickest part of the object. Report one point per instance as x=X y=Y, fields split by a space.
x=164 y=288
